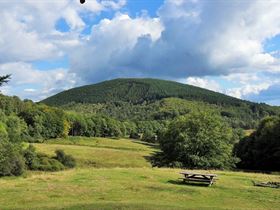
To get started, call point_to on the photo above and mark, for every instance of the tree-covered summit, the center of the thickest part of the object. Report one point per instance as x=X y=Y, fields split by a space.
x=137 y=91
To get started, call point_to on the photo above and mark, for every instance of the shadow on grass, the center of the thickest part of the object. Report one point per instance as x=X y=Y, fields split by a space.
x=179 y=182
x=150 y=145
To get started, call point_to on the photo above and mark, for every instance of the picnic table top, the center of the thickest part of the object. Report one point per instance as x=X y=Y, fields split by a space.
x=200 y=174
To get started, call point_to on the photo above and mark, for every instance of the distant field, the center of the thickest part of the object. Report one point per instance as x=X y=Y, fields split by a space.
x=100 y=152
x=122 y=178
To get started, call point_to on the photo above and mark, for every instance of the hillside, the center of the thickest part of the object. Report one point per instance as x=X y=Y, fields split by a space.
x=137 y=91
x=155 y=100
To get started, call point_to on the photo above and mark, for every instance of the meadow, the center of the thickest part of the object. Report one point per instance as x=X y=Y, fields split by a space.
x=116 y=174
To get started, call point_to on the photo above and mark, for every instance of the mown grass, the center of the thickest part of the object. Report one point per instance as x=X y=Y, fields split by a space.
x=129 y=186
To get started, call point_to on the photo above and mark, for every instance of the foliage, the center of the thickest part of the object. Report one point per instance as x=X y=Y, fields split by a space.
x=11 y=161
x=66 y=160
x=44 y=122
x=261 y=150
x=16 y=128
x=31 y=158
x=4 y=79
x=141 y=100
x=167 y=109
x=42 y=162
x=94 y=125
x=3 y=131
x=25 y=119
x=138 y=91
x=197 y=140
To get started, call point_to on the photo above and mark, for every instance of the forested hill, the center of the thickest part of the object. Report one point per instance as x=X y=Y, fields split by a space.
x=137 y=91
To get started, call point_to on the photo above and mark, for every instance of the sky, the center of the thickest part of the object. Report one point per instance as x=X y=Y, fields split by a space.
x=232 y=47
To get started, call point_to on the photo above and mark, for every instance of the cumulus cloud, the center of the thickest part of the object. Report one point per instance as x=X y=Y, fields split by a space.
x=98 y=57
x=193 y=39
x=246 y=90
x=270 y=95
x=250 y=86
x=27 y=28
x=32 y=83
x=28 y=33
x=204 y=83
x=197 y=38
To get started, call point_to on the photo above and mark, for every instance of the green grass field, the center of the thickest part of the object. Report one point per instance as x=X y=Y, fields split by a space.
x=115 y=174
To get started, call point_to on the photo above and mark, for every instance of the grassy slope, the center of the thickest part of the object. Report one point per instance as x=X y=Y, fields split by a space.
x=141 y=187
x=98 y=152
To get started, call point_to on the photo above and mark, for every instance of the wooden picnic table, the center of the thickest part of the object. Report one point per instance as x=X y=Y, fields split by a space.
x=198 y=177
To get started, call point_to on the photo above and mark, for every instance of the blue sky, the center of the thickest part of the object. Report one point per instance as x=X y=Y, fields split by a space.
x=232 y=47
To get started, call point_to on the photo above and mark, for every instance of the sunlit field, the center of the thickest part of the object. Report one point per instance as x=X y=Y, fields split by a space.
x=116 y=174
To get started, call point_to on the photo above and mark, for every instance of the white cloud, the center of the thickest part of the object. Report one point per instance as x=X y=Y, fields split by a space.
x=32 y=83
x=242 y=78
x=29 y=90
x=27 y=27
x=270 y=95
x=28 y=33
x=198 y=38
x=19 y=43
x=193 y=39
x=204 y=83
x=244 y=91
x=98 y=59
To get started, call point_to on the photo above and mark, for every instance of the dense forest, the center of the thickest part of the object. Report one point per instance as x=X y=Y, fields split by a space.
x=158 y=100
x=137 y=91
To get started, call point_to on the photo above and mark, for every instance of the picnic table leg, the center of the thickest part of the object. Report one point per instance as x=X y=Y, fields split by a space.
x=211 y=180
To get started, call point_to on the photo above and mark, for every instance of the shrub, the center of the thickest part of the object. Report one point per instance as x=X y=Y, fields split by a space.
x=66 y=160
x=31 y=158
x=11 y=160
x=41 y=162
x=49 y=164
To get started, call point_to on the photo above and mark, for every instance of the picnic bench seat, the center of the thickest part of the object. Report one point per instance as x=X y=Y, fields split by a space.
x=198 y=177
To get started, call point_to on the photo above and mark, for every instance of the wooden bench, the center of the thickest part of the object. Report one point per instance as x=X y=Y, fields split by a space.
x=198 y=177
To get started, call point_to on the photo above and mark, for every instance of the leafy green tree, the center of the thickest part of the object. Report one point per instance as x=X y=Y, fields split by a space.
x=261 y=150
x=16 y=128
x=45 y=122
x=198 y=140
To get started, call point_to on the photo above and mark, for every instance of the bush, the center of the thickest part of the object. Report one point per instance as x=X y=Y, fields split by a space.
x=31 y=158
x=66 y=160
x=49 y=164
x=41 y=162
x=11 y=160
